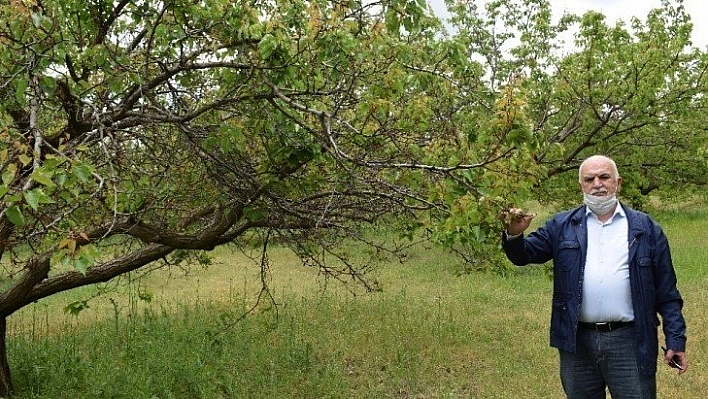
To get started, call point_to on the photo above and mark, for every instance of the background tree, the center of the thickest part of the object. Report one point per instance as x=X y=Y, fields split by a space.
x=633 y=91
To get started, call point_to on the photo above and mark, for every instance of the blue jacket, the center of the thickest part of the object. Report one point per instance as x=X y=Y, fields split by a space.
x=563 y=239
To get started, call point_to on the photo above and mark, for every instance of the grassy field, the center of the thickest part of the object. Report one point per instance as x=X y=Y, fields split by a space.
x=428 y=334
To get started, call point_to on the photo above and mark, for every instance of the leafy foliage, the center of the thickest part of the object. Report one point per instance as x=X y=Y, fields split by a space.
x=139 y=132
x=633 y=91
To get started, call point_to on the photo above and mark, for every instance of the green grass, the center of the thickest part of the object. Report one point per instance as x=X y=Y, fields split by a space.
x=428 y=334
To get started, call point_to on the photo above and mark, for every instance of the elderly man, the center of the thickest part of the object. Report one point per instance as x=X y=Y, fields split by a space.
x=612 y=276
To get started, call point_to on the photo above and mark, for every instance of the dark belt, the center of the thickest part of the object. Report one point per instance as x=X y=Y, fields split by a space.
x=606 y=326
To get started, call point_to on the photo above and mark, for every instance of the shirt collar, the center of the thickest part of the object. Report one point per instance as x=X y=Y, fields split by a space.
x=618 y=211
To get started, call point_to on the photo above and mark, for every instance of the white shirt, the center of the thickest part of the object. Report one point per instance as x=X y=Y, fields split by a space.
x=606 y=291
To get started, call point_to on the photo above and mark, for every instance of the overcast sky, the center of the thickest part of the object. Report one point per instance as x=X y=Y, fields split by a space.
x=624 y=10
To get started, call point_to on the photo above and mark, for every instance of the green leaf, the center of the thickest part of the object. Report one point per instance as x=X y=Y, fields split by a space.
x=86 y=258
x=145 y=296
x=267 y=46
x=42 y=176
x=20 y=89
x=15 y=216
x=8 y=175
x=60 y=179
x=81 y=264
x=37 y=19
x=32 y=200
x=75 y=308
x=82 y=172
x=36 y=197
x=393 y=22
x=25 y=159
x=11 y=199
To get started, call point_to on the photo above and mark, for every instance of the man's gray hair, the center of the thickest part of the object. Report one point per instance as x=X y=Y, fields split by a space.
x=594 y=157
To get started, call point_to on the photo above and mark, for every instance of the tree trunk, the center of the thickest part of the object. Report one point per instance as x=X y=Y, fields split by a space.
x=5 y=378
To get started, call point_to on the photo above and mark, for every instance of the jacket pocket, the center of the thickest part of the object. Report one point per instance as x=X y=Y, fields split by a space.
x=561 y=317
x=644 y=261
x=646 y=281
x=568 y=244
x=568 y=253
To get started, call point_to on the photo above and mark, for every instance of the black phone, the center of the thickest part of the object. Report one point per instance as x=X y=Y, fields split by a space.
x=675 y=361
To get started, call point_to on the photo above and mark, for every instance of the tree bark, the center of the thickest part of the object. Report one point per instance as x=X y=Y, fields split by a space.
x=5 y=378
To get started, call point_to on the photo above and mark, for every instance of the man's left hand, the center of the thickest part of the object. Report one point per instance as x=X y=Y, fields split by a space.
x=679 y=357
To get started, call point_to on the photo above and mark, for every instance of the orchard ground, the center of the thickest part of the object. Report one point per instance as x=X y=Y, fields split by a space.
x=429 y=333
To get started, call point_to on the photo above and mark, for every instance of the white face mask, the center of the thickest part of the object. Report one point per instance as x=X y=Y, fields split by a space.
x=600 y=205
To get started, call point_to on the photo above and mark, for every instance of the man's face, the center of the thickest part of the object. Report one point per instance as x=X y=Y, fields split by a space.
x=597 y=178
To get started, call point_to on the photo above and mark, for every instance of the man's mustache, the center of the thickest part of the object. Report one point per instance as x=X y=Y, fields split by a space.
x=601 y=193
